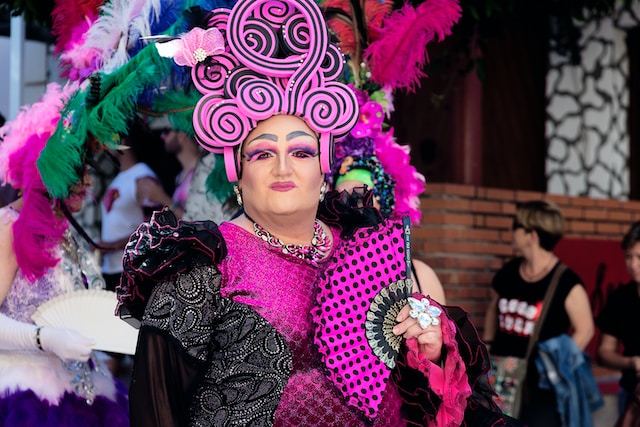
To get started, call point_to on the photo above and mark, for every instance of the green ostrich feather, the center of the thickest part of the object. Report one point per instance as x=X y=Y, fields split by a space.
x=178 y=105
x=217 y=183
x=120 y=91
x=102 y=111
x=60 y=161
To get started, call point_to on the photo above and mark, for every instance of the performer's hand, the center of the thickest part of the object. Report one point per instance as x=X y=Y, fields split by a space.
x=429 y=338
x=67 y=344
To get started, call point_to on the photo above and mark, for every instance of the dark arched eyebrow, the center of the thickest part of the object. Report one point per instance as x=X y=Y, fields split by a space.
x=297 y=133
x=267 y=136
x=289 y=137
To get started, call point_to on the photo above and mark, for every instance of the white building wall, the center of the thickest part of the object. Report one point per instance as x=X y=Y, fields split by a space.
x=37 y=72
x=586 y=126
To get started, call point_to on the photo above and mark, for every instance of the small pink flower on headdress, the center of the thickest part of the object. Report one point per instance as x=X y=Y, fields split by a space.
x=370 y=121
x=193 y=47
x=371 y=115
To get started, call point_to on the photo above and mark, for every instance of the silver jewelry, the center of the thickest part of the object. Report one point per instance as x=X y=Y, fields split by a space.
x=425 y=313
x=81 y=378
x=313 y=253
x=236 y=190
x=323 y=190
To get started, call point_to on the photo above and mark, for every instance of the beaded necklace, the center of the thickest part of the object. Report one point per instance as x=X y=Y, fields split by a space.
x=317 y=250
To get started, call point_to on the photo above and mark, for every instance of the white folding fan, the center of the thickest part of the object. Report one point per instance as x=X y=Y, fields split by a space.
x=91 y=312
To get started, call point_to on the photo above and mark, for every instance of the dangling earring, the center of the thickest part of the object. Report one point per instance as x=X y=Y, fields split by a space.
x=236 y=190
x=323 y=190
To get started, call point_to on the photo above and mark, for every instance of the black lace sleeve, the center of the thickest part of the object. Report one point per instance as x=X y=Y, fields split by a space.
x=160 y=250
x=204 y=360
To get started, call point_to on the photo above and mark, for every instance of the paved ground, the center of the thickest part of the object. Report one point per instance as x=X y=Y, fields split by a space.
x=608 y=414
x=608 y=381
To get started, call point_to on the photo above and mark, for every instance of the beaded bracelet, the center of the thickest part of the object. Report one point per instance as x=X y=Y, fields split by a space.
x=38 y=342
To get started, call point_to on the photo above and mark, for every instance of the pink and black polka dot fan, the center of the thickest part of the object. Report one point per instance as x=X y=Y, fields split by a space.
x=360 y=295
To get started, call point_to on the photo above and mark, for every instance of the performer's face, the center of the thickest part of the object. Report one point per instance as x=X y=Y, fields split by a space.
x=78 y=192
x=281 y=167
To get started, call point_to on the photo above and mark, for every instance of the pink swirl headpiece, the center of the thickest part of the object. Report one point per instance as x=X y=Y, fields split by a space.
x=278 y=60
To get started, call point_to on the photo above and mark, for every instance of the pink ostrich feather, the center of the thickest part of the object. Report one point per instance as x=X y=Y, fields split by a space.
x=38 y=229
x=36 y=119
x=67 y=15
x=394 y=59
x=409 y=183
x=374 y=10
x=76 y=62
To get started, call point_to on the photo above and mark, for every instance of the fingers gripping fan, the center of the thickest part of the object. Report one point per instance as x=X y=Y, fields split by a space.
x=360 y=295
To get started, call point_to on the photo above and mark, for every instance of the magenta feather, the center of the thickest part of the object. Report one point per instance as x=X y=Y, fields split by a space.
x=67 y=15
x=398 y=57
x=38 y=229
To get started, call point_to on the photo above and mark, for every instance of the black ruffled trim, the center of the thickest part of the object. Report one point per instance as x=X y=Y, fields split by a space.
x=161 y=249
x=349 y=211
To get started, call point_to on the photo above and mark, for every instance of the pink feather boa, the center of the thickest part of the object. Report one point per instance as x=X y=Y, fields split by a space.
x=38 y=230
x=409 y=183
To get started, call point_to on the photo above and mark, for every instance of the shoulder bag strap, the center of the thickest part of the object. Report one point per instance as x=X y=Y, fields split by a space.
x=548 y=296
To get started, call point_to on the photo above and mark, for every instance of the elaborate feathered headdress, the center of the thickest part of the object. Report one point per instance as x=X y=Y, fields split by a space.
x=96 y=115
x=387 y=50
x=260 y=59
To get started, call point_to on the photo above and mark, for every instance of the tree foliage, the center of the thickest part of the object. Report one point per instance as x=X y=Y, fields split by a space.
x=35 y=12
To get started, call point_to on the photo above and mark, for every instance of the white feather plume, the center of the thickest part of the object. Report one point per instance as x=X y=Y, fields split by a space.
x=119 y=27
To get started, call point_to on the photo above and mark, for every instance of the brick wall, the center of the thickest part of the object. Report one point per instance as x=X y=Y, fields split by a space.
x=465 y=235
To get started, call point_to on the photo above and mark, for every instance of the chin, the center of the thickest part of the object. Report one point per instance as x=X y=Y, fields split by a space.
x=74 y=205
x=288 y=203
x=290 y=209
x=73 y=208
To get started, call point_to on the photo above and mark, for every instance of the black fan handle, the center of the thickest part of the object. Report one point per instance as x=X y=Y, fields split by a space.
x=406 y=225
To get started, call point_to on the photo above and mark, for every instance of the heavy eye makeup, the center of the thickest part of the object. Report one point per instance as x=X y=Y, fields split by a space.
x=264 y=150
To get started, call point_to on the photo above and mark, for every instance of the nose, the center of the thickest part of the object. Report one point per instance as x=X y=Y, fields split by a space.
x=283 y=166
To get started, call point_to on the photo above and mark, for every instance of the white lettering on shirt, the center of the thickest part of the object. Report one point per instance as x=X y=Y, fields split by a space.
x=517 y=317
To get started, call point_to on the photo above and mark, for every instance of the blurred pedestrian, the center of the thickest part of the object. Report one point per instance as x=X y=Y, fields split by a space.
x=129 y=199
x=520 y=288
x=187 y=151
x=619 y=346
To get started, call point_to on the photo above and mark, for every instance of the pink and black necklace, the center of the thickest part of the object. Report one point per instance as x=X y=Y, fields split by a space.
x=313 y=253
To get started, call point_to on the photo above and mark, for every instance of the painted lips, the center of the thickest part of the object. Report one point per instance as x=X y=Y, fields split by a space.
x=282 y=186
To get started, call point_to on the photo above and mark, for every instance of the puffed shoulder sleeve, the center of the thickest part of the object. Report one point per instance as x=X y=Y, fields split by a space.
x=205 y=360
x=159 y=250
x=201 y=359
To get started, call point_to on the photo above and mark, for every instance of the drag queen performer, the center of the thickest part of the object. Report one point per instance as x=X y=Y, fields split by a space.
x=275 y=317
x=48 y=376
